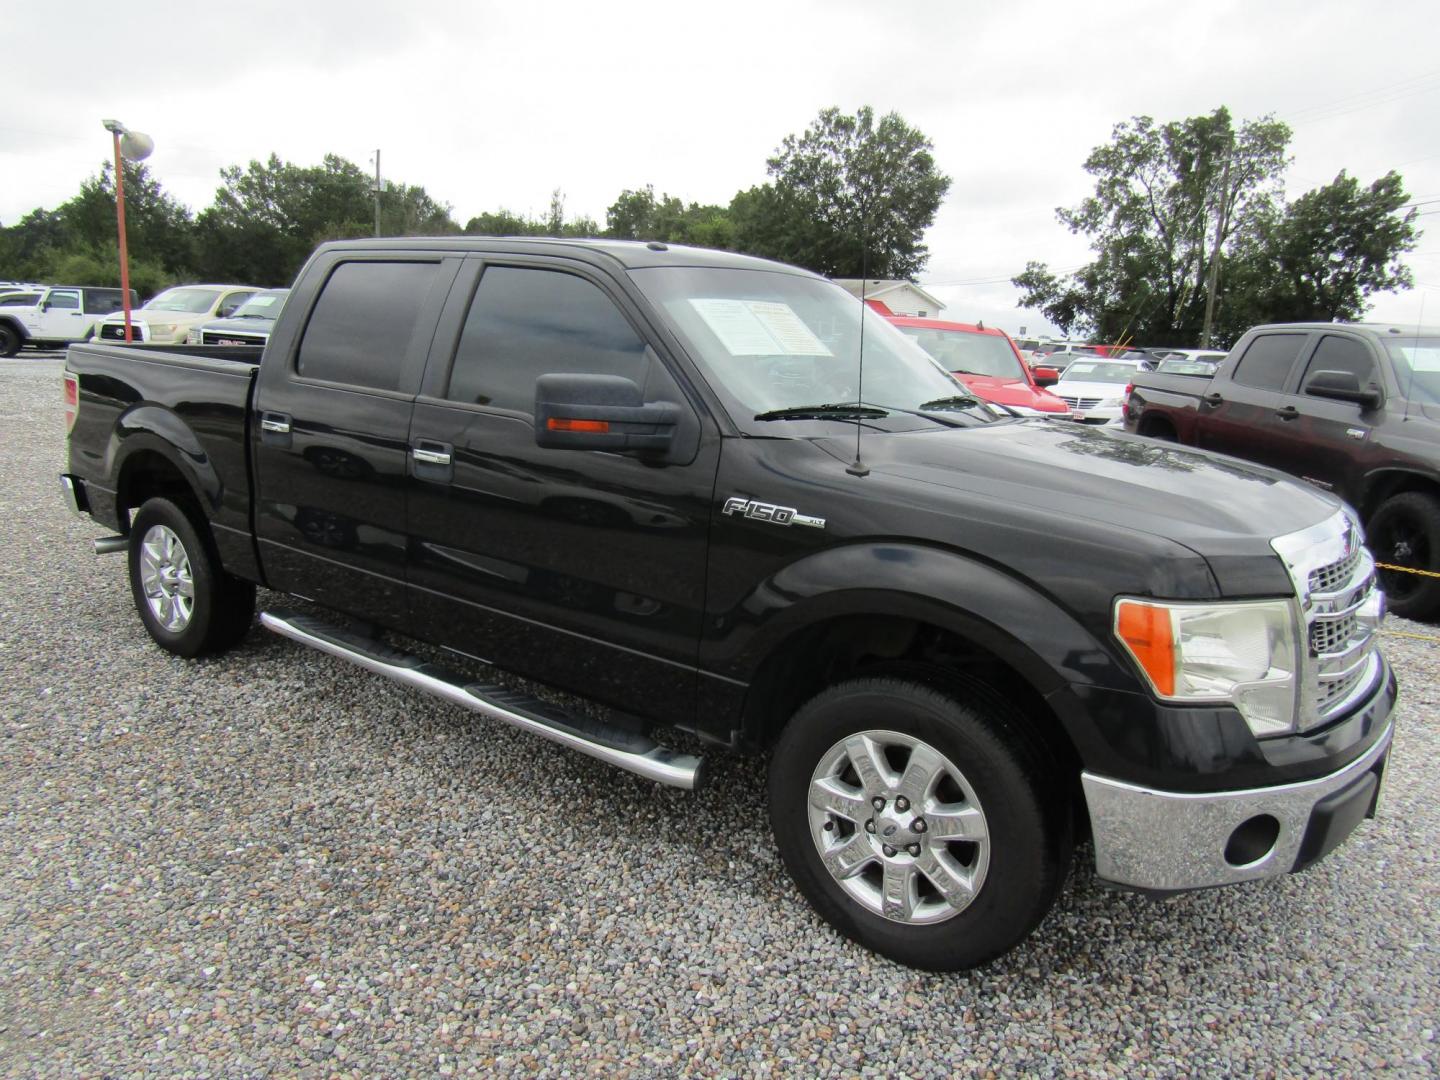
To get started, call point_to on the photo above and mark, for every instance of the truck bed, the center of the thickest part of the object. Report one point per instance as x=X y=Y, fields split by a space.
x=194 y=397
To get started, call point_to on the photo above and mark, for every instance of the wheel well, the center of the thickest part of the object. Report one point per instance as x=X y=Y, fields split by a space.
x=147 y=474
x=1152 y=425
x=1388 y=485
x=855 y=646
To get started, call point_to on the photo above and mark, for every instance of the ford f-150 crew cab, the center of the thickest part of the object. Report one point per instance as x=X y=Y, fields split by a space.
x=1353 y=409
x=661 y=479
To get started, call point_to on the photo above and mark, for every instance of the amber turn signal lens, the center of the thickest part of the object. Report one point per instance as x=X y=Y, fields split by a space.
x=556 y=424
x=1147 y=632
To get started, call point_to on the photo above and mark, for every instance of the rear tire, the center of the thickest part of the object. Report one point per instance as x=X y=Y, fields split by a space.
x=1405 y=531
x=188 y=604
x=10 y=341
x=943 y=853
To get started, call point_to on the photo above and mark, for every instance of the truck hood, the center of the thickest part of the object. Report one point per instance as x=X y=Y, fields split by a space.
x=1212 y=504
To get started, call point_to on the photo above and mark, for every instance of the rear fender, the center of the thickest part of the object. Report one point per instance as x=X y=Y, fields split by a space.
x=155 y=428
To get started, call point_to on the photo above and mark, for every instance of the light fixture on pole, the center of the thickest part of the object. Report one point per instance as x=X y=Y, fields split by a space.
x=133 y=146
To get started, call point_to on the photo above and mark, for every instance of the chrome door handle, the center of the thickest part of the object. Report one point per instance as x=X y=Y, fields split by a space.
x=277 y=425
x=430 y=457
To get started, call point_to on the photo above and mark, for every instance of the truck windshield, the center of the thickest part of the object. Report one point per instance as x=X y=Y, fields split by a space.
x=772 y=341
x=263 y=305
x=1417 y=367
x=194 y=301
x=967 y=353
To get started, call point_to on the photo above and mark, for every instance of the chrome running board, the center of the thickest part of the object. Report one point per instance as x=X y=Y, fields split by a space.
x=632 y=751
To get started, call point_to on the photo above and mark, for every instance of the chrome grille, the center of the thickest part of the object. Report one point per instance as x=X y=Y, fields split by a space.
x=1331 y=636
x=1342 y=607
x=1080 y=402
x=1331 y=578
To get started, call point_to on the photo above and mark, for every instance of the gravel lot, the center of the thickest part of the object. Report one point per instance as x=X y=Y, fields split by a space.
x=272 y=864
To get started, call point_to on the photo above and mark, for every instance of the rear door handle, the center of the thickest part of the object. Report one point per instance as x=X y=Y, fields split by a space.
x=431 y=460
x=1213 y=400
x=1289 y=412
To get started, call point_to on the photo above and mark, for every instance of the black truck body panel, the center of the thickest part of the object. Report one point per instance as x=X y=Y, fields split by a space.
x=622 y=578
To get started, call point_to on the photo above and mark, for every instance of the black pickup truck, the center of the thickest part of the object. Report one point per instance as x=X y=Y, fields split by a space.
x=1353 y=409
x=662 y=480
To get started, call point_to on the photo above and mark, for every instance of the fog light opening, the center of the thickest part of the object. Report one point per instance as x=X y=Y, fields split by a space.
x=1252 y=841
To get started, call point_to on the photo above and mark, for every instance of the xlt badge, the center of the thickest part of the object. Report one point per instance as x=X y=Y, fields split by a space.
x=776 y=515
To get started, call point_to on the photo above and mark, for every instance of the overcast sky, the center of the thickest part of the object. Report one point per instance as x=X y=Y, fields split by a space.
x=493 y=105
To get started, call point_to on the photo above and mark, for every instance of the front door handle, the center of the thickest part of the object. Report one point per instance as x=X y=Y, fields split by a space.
x=430 y=457
x=275 y=428
x=1289 y=412
x=1213 y=400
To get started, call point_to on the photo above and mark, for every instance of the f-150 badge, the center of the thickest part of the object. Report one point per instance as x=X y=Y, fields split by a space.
x=776 y=515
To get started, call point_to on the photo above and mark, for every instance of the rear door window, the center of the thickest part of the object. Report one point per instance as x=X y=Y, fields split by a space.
x=363 y=322
x=1268 y=360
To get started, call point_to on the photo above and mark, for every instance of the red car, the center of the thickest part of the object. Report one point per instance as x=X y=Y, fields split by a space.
x=988 y=362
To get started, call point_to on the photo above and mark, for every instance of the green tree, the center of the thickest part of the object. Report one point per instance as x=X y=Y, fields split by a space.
x=504 y=222
x=639 y=215
x=847 y=193
x=158 y=229
x=1322 y=256
x=1167 y=197
x=268 y=217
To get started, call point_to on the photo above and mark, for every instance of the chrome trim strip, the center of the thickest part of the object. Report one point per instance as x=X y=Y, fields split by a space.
x=1167 y=840
x=659 y=764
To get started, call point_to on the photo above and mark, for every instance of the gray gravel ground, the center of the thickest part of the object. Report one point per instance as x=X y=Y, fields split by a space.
x=272 y=864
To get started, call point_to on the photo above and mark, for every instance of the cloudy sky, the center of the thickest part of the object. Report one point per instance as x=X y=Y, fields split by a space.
x=493 y=105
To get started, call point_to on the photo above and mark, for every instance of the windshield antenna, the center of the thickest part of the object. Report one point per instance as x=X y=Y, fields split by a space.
x=858 y=467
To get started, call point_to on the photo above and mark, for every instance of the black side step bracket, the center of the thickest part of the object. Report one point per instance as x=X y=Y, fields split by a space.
x=614 y=745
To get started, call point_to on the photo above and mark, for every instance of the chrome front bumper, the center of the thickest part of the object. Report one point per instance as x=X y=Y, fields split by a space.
x=1166 y=841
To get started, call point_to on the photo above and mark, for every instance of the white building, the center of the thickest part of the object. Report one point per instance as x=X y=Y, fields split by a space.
x=901 y=297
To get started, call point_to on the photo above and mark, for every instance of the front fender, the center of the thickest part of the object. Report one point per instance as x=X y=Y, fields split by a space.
x=1022 y=626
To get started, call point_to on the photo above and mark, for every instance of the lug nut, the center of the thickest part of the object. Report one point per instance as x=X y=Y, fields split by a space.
x=870 y=825
x=890 y=852
x=919 y=824
x=902 y=804
x=913 y=849
x=878 y=803
x=829 y=826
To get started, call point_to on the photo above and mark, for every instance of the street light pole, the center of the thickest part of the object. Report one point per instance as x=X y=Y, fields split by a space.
x=136 y=147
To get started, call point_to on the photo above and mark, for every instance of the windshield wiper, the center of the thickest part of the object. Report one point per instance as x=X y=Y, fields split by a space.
x=959 y=401
x=835 y=411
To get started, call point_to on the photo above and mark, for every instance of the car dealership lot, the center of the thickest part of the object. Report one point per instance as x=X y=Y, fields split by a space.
x=273 y=863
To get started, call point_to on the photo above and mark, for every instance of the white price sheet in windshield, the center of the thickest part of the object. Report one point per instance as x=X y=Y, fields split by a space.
x=759 y=328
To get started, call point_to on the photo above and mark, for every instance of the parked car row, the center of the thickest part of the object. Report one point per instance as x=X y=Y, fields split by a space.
x=51 y=316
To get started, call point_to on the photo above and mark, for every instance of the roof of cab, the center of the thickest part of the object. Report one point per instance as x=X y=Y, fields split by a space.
x=629 y=254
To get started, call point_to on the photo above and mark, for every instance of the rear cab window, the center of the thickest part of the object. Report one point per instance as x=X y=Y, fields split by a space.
x=1267 y=362
x=362 y=324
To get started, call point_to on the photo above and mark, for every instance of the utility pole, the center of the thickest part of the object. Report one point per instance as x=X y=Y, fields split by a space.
x=1214 y=275
x=377 y=192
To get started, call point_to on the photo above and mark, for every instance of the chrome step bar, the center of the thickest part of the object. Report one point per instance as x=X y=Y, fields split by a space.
x=632 y=751
x=111 y=545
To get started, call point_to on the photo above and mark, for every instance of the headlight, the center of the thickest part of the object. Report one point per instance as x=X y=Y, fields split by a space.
x=192 y=337
x=1242 y=653
x=164 y=327
x=1111 y=403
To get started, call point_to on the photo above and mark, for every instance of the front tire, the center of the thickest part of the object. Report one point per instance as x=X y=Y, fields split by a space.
x=10 y=341
x=925 y=825
x=188 y=604
x=1405 y=531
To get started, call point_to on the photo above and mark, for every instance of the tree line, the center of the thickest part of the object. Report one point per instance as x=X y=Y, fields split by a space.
x=1188 y=223
x=850 y=192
